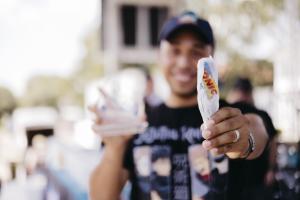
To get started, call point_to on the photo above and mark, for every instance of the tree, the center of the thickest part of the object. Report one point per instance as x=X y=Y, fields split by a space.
x=236 y=24
x=260 y=72
x=91 y=66
x=7 y=101
x=238 y=19
x=45 y=90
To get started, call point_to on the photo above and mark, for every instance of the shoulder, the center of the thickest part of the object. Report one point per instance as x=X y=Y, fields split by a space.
x=154 y=110
x=244 y=107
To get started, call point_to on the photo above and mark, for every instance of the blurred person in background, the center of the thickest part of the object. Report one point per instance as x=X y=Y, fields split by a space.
x=174 y=127
x=261 y=174
x=242 y=91
x=151 y=99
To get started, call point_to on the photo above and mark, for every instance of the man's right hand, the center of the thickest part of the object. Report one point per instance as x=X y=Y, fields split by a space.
x=109 y=141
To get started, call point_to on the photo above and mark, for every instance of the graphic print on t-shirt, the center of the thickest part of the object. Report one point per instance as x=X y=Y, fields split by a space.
x=218 y=176
x=142 y=161
x=181 y=180
x=199 y=165
x=153 y=169
x=172 y=164
x=208 y=173
x=161 y=173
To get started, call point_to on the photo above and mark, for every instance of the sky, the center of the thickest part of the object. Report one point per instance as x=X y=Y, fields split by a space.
x=42 y=37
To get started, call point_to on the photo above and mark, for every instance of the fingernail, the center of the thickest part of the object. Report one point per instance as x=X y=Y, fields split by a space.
x=206 y=134
x=209 y=123
x=206 y=144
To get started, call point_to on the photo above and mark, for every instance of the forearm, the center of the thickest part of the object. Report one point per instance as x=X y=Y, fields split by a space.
x=272 y=154
x=107 y=179
x=259 y=133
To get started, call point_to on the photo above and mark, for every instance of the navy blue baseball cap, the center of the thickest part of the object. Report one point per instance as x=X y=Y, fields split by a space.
x=188 y=21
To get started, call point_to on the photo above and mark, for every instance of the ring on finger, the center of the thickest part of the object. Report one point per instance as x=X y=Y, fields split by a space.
x=237 y=136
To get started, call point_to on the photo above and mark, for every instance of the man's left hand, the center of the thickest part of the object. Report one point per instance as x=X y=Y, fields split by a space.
x=227 y=132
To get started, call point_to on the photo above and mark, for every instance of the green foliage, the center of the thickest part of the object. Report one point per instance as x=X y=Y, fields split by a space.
x=48 y=91
x=7 y=101
x=260 y=72
x=237 y=21
x=236 y=18
x=91 y=67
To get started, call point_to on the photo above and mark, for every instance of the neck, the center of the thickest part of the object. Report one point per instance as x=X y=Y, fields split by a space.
x=175 y=101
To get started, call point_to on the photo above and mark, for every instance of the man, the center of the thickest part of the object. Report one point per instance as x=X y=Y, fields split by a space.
x=174 y=128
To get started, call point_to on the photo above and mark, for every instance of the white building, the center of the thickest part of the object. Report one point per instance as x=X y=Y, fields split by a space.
x=130 y=29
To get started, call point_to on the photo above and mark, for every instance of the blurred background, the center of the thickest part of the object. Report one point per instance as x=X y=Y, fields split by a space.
x=53 y=53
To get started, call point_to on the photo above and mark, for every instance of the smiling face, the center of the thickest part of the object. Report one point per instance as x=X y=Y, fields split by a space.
x=179 y=58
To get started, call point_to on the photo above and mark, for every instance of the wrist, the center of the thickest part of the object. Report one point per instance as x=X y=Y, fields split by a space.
x=115 y=148
x=114 y=154
x=250 y=147
x=246 y=152
x=114 y=143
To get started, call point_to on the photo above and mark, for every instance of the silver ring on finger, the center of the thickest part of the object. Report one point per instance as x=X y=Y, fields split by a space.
x=237 y=136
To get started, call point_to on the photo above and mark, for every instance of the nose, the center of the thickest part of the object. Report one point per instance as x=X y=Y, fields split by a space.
x=184 y=62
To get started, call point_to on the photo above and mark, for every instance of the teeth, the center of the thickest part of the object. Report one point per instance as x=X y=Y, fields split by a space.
x=182 y=77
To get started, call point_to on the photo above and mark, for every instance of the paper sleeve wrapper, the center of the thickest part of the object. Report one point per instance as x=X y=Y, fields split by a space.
x=207 y=87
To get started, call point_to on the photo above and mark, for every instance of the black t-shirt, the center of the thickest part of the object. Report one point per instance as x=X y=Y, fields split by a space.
x=167 y=161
